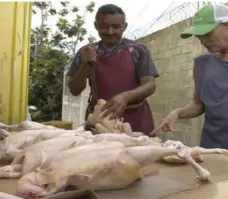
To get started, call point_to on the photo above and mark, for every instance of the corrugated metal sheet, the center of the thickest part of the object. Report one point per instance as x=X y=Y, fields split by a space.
x=15 y=20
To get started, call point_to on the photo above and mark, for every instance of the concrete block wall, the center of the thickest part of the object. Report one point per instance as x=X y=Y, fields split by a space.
x=173 y=58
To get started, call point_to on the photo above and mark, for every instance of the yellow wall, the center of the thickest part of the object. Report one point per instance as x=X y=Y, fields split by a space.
x=15 y=20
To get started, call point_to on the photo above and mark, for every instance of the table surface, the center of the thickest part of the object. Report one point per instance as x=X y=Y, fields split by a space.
x=171 y=181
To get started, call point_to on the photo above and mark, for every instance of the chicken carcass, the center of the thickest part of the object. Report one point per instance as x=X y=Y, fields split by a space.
x=35 y=155
x=98 y=167
x=123 y=138
x=27 y=190
x=3 y=134
x=128 y=141
x=106 y=125
x=17 y=142
x=26 y=125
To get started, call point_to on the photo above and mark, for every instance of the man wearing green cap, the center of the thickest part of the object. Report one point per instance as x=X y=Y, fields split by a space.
x=210 y=71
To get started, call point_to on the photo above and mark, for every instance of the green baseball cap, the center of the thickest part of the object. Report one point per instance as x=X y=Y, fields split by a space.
x=206 y=20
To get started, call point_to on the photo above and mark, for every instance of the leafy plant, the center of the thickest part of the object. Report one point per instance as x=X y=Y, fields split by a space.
x=52 y=48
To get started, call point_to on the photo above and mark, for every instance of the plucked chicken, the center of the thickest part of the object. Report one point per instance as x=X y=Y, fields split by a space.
x=16 y=142
x=35 y=155
x=26 y=125
x=106 y=125
x=100 y=166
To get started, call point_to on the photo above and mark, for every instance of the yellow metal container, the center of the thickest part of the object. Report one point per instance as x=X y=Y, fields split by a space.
x=68 y=125
x=15 y=20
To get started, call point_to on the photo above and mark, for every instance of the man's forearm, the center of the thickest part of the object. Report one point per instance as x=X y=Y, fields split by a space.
x=190 y=111
x=77 y=83
x=141 y=93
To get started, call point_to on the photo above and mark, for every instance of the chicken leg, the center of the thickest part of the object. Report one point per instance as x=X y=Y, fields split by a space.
x=203 y=174
x=123 y=138
x=184 y=152
x=195 y=152
x=145 y=154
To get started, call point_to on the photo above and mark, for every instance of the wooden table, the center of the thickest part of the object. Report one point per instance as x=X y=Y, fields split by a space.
x=170 y=182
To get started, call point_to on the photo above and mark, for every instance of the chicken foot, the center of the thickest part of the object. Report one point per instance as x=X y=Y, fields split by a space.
x=11 y=171
x=3 y=134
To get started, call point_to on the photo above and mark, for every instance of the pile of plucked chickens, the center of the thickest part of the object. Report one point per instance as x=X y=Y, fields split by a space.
x=47 y=160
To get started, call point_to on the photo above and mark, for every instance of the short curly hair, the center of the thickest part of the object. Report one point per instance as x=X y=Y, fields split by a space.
x=109 y=9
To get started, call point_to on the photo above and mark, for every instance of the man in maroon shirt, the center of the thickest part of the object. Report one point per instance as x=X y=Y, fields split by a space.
x=119 y=70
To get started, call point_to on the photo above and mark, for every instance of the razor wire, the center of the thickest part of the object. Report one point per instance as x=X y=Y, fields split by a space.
x=173 y=14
